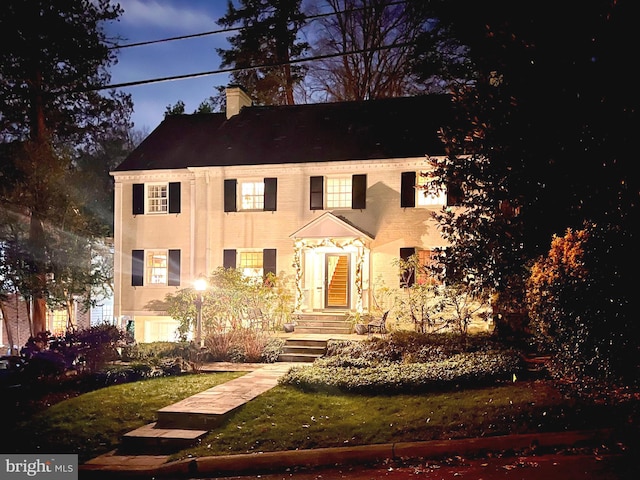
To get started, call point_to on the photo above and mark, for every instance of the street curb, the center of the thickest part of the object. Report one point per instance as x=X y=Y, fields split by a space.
x=253 y=463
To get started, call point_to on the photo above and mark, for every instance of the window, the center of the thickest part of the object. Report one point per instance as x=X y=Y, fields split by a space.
x=155 y=267
x=424 y=262
x=251 y=264
x=252 y=195
x=261 y=195
x=413 y=192
x=59 y=320
x=425 y=199
x=156 y=198
x=338 y=192
x=256 y=263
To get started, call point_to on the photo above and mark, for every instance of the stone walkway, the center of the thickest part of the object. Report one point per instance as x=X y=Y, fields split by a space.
x=181 y=424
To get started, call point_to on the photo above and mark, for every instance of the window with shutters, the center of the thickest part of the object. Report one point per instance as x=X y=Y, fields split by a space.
x=328 y=193
x=250 y=195
x=156 y=198
x=425 y=198
x=155 y=267
x=252 y=263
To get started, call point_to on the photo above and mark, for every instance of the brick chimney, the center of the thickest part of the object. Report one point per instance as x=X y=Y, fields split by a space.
x=237 y=98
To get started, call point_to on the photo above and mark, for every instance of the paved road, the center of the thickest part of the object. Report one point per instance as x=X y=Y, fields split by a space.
x=544 y=467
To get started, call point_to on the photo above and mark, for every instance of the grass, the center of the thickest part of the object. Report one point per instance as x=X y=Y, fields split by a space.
x=286 y=418
x=93 y=423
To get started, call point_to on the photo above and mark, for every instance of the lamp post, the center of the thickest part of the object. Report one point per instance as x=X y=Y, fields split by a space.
x=200 y=285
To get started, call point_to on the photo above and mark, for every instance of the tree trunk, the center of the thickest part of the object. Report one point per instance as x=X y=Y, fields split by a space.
x=39 y=303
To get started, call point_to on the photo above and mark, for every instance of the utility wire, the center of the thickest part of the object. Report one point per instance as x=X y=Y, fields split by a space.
x=234 y=29
x=240 y=69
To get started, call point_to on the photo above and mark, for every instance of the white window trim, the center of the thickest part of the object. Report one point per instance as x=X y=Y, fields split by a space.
x=423 y=200
x=256 y=205
x=148 y=268
x=147 y=199
x=344 y=195
x=257 y=273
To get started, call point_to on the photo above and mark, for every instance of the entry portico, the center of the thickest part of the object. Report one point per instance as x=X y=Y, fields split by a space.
x=331 y=262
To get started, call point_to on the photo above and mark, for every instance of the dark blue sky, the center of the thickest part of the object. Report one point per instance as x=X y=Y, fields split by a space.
x=145 y=20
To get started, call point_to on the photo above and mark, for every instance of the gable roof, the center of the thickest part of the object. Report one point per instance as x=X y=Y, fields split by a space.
x=375 y=129
x=329 y=225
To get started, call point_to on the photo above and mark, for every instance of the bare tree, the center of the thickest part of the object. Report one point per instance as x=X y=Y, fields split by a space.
x=367 y=45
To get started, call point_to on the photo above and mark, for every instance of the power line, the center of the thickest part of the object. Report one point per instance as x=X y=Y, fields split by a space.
x=240 y=69
x=234 y=29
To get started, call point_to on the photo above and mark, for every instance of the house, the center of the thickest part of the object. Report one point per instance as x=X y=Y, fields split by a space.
x=316 y=191
x=15 y=328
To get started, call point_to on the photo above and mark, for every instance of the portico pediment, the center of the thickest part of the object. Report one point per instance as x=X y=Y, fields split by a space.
x=329 y=226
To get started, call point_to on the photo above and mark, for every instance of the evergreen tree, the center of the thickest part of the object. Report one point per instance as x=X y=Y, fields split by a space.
x=543 y=136
x=263 y=49
x=53 y=63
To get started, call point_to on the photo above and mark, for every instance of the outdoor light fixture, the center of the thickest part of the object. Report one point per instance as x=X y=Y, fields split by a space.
x=200 y=285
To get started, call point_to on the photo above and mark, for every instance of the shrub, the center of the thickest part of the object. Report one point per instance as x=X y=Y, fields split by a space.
x=579 y=300
x=243 y=345
x=459 y=370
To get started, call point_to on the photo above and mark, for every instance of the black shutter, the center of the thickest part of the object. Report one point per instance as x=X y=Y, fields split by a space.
x=316 y=188
x=174 y=197
x=137 y=268
x=174 y=268
x=405 y=253
x=407 y=189
x=230 y=195
x=359 y=192
x=269 y=261
x=455 y=195
x=270 y=194
x=229 y=259
x=138 y=198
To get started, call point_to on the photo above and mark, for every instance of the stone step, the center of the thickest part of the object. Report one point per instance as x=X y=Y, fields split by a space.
x=151 y=440
x=297 y=357
x=302 y=350
x=323 y=323
x=342 y=330
x=319 y=351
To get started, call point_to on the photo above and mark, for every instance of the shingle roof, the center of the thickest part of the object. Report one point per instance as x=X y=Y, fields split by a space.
x=374 y=129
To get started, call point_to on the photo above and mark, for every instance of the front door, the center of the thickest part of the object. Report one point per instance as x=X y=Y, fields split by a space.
x=337 y=280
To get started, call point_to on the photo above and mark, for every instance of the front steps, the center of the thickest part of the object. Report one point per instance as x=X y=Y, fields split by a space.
x=302 y=350
x=325 y=323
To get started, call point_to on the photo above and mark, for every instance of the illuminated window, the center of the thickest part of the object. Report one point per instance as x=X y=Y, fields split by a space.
x=425 y=199
x=252 y=195
x=157 y=198
x=157 y=268
x=338 y=192
x=59 y=319
x=251 y=264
